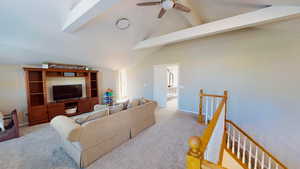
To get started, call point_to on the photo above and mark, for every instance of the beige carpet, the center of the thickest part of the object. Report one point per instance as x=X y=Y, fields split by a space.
x=162 y=146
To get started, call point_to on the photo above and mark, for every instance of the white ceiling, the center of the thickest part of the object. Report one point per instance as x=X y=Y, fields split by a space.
x=31 y=30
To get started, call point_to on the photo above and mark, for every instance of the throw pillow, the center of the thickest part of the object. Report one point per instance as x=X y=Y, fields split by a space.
x=91 y=116
x=115 y=109
x=124 y=104
x=8 y=121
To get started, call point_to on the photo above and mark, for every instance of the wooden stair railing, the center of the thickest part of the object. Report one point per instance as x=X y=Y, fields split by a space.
x=195 y=158
x=243 y=148
x=208 y=105
x=247 y=151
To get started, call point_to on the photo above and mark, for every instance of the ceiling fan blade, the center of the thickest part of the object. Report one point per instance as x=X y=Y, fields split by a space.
x=148 y=3
x=181 y=7
x=162 y=12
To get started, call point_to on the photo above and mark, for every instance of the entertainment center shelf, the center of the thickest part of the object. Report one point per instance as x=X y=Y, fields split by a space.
x=42 y=110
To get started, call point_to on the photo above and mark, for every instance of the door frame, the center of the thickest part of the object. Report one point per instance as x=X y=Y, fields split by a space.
x=178 y=81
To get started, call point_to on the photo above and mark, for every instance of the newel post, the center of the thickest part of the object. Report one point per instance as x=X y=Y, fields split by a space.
x=200 y=116
x=194 y=156
x=226 y=102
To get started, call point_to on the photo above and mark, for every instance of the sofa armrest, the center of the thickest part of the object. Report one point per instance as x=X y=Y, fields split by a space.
x=67 y=128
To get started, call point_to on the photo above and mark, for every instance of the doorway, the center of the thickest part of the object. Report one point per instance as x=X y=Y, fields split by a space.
x=165 y=91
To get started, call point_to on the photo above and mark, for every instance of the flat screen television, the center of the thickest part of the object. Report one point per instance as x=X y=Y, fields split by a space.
x=62 y=92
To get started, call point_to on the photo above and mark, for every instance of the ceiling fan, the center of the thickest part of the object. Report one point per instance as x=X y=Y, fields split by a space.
x=166 y=5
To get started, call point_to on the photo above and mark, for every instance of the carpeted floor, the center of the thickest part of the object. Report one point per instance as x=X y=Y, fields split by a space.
x=162 y=146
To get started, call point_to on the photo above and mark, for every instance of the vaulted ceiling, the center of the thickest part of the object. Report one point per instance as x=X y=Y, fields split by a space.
x=31 y=30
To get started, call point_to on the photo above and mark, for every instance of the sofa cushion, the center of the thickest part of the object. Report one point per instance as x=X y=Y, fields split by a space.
x=90 y=116
x=100 y=107
x=124 y=104
x=115 y=108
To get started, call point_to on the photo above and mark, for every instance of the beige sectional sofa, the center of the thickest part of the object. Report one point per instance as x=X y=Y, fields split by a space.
x=89 y=141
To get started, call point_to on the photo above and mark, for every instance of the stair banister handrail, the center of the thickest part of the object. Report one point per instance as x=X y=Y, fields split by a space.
x=256 y=143
x=195 y=158
x=212 y=124
x=202 y=96
x=198 y=145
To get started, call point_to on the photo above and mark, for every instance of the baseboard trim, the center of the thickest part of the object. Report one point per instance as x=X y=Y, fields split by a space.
x=188 y=111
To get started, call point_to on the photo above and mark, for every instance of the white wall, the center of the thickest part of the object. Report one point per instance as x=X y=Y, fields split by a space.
x=259 y=67
x=13 y=92
x=108 y=79
x=12 y=89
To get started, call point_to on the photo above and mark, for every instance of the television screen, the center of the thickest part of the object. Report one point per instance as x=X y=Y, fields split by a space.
x=62 y=92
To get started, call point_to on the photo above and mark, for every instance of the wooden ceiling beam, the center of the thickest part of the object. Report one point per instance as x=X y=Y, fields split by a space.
x=256 y=18
x=84 y=11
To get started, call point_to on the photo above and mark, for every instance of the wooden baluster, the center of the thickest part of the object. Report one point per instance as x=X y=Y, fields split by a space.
x=212 y=108
x=206 y=110
x=228 y=136
x=277 y=166
x=200 y=118
x=256 y=154
x=233 y=140
x=218 y=101
x=249 y=156
x=226 y=102
x=262 y=161
x=244 y=150
x=194 y=156
x=239 y=142
x=270 y=163
x=214 y=104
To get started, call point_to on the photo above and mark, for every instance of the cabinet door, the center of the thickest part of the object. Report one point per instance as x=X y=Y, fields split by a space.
x=94 y=101
x=38 y=114
x=84 y=106
x=56 y=110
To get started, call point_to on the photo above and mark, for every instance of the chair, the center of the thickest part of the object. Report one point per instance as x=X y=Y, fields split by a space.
x=13 y=131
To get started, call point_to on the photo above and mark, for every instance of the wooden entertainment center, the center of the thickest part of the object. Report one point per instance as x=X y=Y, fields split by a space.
x=41 y=110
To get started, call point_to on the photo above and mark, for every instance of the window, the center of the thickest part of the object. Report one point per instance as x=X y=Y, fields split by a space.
x=122 y=84
x=170 y=78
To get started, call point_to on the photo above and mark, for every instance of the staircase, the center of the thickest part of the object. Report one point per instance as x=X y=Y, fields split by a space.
x=247 y=151
x=224 y=144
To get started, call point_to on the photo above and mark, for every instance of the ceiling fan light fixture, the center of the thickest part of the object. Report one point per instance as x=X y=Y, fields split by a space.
x=122 y=23
x=167 y=4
